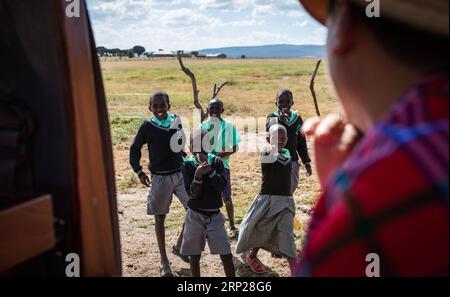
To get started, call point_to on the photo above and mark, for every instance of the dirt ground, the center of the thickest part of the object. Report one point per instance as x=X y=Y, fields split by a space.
x=140 y=250
x=140 y=256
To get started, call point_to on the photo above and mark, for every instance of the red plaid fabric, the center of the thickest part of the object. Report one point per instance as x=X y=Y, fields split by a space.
x=390 y=197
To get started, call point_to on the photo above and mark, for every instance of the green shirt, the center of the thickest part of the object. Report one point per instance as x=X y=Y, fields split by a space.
x=284 y=153
x=193 y=160
x=223 y=138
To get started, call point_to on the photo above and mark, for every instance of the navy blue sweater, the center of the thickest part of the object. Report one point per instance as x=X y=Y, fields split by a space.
x=296 y=140
x=160 y=140
x=208 y=194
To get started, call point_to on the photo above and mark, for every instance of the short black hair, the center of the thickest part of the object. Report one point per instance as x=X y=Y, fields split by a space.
x=420 y=49
x=216 y=100
x=277 y=128
x=159 y=94
x=284 y=92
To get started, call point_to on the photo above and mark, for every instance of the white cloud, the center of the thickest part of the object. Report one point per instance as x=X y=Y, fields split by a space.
x=197 y=24
x=301 y=24
x=263 y=11
x=294 y=14
x=186 y=17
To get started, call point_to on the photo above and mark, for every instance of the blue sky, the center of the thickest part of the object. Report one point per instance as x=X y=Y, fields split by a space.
x=199 y=24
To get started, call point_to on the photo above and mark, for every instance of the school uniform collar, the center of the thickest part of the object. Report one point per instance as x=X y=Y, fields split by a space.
x=284 y=157
x=193 y=160
x=166 y=122
x=292 y=118
x=210 y=121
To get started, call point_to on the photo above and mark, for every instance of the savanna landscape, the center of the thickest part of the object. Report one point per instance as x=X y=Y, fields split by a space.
x=251 y=91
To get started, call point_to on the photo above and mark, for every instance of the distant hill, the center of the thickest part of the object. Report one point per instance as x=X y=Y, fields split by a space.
x=270 y=51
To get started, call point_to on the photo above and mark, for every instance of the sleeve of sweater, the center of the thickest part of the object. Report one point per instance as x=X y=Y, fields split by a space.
x=302 y=147
x=135 y=149
x=192 y=188
x=270 y=120
x=217 y=176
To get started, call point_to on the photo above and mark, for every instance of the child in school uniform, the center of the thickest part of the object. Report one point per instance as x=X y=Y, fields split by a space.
x=296 y=143
x=204 y=178
x=225 y=140
x=269 y=222
x=165 y=167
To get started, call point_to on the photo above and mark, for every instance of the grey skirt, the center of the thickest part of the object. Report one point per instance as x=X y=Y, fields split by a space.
x=269 y=225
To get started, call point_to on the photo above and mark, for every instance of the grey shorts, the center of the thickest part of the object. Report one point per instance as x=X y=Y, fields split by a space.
x=161 y=193
x=200 y=228
x=295 y=176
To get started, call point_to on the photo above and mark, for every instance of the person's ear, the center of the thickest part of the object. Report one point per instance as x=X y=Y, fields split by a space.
x=150 y=108
x=342 y=29
x=292 y=103
x=223 y=110
x=168 y=106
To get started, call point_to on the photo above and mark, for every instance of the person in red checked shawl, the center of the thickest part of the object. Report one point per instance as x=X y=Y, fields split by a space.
x=383 y=167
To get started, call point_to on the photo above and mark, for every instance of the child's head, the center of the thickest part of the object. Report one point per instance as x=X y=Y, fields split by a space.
x=200 y=145
x=284 y=100
x=159 y=105
x=215 y=108
x=278 y=136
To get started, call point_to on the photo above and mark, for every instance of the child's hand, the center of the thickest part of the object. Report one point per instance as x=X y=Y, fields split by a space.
x=333 y=142
x=308 y=170
x=284 y=115
x=144 y=180
x=202 y=170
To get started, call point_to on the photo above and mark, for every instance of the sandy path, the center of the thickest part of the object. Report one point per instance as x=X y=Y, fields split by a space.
x=140 y=251
x=140 y=256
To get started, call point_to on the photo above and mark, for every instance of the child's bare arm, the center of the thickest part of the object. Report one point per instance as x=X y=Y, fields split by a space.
x=302 y=149
x=135 y=156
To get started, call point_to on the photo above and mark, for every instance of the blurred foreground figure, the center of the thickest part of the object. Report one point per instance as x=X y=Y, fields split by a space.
x=384 y=170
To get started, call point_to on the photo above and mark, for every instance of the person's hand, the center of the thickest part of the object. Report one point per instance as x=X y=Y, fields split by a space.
x=144 y=179
x=202 y=170
x=284 y=115
x=333 y=141
x=308 y=169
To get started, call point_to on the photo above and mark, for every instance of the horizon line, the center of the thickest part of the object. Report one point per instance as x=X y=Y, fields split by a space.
x=222 y=47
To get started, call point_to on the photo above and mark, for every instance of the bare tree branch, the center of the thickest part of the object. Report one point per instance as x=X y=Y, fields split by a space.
x=195 y=90
x=194 y=86
x=311 y=87
x=218 y=89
